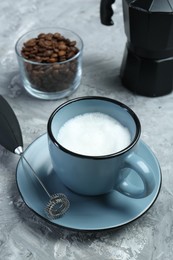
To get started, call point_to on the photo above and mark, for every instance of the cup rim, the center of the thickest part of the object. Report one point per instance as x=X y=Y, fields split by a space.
x=46 y=28
x=126 y=149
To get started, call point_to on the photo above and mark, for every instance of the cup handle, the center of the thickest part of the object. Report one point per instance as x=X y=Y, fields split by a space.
x=136 y=163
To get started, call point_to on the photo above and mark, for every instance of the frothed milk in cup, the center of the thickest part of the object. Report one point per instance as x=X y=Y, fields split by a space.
x=92 y=142
x=94 y=134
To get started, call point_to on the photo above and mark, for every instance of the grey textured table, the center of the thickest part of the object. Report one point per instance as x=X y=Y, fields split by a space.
x=24 y=235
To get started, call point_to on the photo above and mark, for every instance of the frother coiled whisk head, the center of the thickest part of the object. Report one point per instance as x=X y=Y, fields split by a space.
x=57 y=206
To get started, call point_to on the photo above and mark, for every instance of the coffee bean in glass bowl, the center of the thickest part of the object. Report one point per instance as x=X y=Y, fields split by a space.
x=50 y=62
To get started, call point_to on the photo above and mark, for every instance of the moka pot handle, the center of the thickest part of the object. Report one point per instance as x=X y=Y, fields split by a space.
x=106 y=12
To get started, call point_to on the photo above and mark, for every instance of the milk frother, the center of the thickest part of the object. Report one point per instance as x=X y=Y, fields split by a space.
x=11 y=139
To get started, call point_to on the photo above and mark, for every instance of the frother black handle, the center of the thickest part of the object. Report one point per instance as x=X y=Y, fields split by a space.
x=106 y=12
x=10 y=132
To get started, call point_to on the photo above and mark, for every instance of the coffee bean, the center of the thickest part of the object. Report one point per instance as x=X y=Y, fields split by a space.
x=56 y=66
x=41 y=35
x=49 y=36
x=73 y=43
x=38 y=59
x=54 y=55
x=31 y=55
x=62 y=53
x=30 y=43
x=52 y=60
x=62 y=47
x=41 y=49
x=48 y=53
x=47 y=43
x=70 y=55
x=41 y=43
x=56 y=50
x=57 y=35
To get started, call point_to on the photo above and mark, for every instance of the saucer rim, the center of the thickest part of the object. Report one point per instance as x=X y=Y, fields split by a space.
x=93 y=229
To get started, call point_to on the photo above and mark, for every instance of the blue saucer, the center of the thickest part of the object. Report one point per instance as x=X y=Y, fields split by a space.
x=86 y=212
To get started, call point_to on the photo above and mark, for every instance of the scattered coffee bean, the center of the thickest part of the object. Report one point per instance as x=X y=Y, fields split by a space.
x=51 y=49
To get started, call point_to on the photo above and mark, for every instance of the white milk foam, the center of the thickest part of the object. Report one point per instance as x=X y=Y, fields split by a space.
x=93 y=134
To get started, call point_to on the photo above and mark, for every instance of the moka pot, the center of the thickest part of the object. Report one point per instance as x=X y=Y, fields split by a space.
x=147 y=64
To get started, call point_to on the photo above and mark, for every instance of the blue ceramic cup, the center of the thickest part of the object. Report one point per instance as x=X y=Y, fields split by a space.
x=96 y=175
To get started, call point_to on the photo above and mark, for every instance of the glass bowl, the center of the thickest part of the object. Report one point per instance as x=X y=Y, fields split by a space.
x=50 y=62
